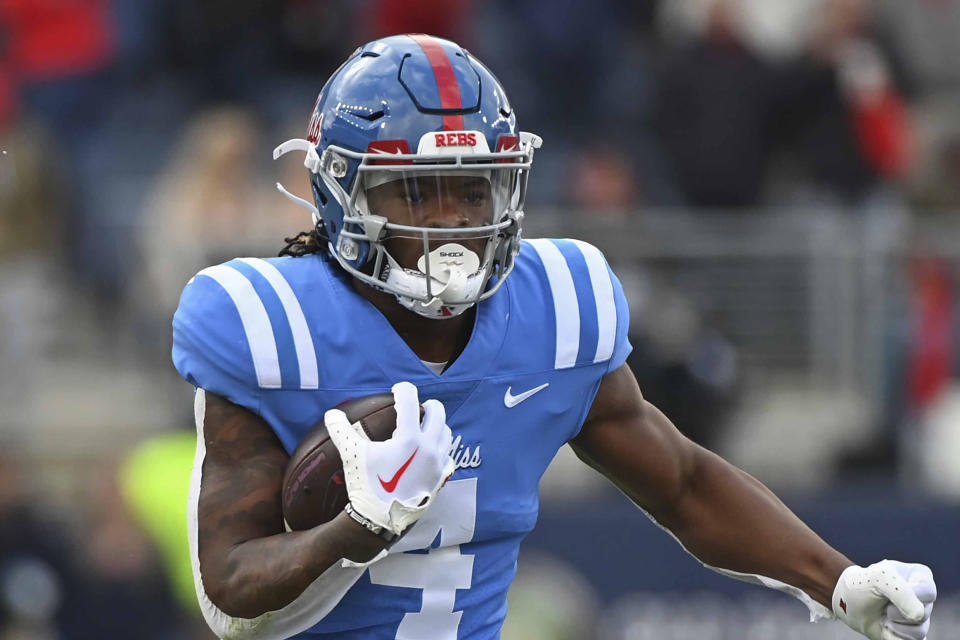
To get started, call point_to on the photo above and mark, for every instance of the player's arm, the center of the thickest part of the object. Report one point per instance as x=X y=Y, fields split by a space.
x=722 y=515
x=248 y=564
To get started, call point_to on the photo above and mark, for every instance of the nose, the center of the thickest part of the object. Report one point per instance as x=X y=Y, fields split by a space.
x=450 y=213
x=449 y=221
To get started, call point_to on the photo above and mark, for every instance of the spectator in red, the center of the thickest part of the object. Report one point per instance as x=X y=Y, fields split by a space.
x=445 y=18
x=51 y=49
x=57 y=57
x=855 y=132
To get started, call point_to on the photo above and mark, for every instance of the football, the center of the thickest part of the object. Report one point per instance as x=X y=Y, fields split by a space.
x=314 y=491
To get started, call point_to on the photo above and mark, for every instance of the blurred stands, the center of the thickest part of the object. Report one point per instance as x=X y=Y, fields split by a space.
x=776 y=183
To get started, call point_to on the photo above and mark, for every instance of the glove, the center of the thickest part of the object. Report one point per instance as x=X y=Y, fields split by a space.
x=888 y=600
x=392 y=483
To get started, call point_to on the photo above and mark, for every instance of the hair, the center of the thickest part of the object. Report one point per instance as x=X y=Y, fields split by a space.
x=307 y=243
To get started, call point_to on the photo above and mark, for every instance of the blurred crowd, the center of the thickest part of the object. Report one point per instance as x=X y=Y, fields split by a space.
x=135 y=142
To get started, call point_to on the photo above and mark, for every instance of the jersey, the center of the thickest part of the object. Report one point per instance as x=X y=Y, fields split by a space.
x=288 y=338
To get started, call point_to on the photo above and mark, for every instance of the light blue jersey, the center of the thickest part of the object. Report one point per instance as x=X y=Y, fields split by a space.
x=288 y=338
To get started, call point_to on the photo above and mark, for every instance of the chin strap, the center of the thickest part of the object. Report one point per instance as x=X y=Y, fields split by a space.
x=454 y=277
x=311 y=162
x=301 y=202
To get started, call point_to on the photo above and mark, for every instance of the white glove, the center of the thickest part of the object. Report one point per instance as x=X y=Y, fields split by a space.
x=888 y=600
x=392 y=483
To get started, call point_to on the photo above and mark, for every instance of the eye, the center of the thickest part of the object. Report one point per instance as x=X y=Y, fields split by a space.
x=412 y=194
x=475 y=197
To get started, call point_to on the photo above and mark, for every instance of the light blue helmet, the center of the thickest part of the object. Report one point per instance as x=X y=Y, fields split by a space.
x=405 y=107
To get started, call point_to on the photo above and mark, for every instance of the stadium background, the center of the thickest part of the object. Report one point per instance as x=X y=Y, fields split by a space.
x=777 y=184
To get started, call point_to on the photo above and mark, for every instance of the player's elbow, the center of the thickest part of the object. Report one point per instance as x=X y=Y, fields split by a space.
x=231 y=628
x=219 y=597
x=227 y=617
x=231 y=592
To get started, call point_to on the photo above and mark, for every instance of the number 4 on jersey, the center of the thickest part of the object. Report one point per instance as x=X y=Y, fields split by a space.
x=443 y=570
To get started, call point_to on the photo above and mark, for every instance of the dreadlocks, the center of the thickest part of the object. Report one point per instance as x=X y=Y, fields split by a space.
x=306 y=243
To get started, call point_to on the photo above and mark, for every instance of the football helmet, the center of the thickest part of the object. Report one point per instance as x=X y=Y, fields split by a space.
x=412 y=143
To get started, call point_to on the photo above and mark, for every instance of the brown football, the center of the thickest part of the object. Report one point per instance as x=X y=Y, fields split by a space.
x=314 y=490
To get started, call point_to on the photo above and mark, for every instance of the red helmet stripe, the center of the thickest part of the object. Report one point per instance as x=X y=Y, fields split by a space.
x=446 y=79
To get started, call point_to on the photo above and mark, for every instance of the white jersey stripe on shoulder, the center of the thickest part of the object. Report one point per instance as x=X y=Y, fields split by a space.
x=306 y=355
x=565 y=303
x=603 y=294
x=256 y=323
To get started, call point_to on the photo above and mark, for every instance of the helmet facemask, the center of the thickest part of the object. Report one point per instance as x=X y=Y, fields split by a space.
x=442 y=228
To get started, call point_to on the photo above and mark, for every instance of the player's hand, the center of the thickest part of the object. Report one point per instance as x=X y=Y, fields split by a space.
x=888 y=600
x=393 y=482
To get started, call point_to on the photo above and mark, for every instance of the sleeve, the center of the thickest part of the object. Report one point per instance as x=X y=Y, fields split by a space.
x=589 y=310
x=211 y=344
x=590 y=314
x=603 y=309
x=621 y=341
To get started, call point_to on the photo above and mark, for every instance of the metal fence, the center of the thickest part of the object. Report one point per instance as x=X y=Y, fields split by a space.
x=816 y=303
x=801 y=293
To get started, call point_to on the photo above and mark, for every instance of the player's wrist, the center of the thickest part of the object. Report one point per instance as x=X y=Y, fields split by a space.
x=385 y=534
x=826 y=587
x=838 y=601
x=819 y=577
x=354 y=541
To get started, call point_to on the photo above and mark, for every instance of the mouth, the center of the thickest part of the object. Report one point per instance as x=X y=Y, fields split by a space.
x=408 y=251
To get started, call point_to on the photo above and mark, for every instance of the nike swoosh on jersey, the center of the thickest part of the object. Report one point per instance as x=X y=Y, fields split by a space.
x=390 y=485
x=513 y=400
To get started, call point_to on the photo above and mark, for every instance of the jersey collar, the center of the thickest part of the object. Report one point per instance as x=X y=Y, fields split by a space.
x=384 y=348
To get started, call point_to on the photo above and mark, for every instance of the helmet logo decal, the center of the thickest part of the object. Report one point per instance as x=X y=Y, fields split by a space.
x=507 y=143
x=389 y=147
x=458 y=139
x=313 y=129
x=453 y=143
x=446 y=80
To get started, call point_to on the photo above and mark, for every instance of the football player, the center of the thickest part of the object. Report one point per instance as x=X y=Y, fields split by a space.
x=415 y=279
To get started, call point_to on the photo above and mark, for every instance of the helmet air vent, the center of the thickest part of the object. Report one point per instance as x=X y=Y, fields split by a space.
x=359 y=111
x=370 y=117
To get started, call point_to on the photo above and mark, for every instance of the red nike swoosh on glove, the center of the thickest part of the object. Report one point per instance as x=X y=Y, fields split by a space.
x=392 y=484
